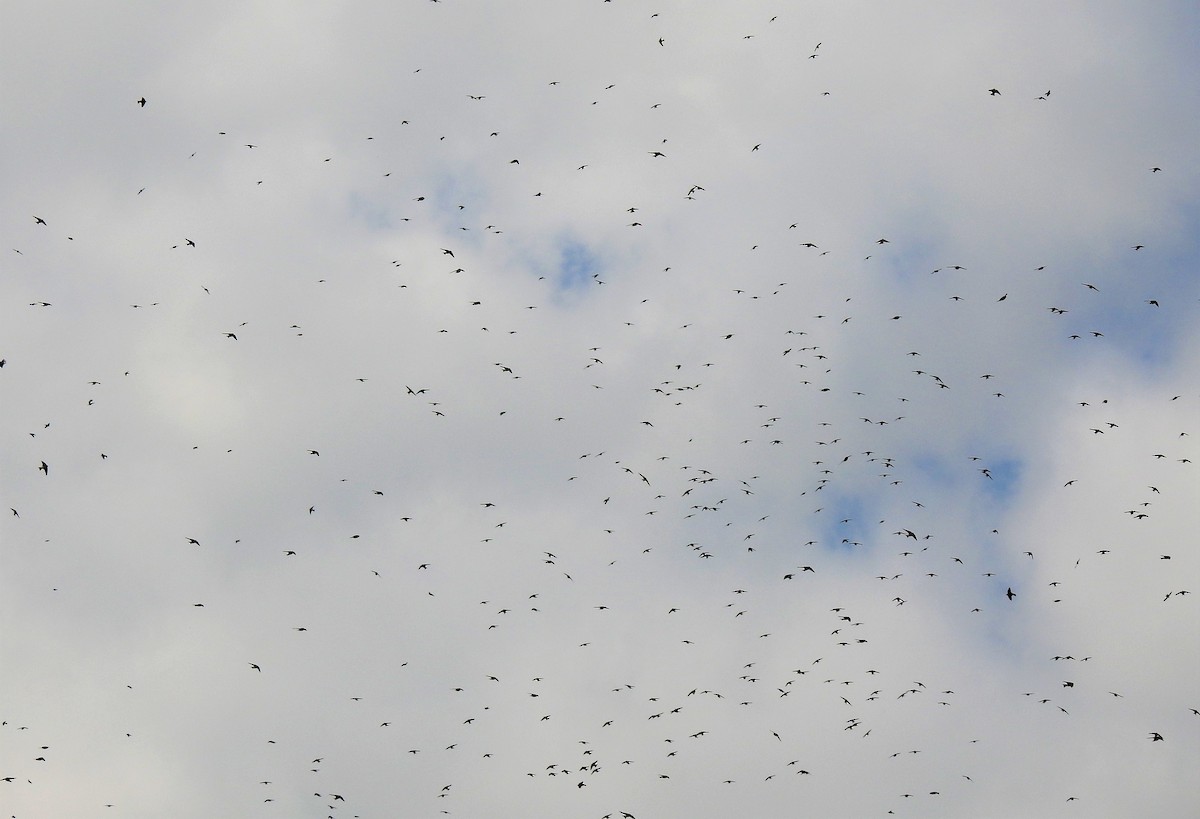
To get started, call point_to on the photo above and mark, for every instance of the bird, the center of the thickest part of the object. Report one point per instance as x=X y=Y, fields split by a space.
x=141 y=102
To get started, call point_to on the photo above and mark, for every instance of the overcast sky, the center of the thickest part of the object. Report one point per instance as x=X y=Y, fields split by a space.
x=577 y=409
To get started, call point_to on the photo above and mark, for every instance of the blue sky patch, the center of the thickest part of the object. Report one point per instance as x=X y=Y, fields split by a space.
x=576 y=264
x=847 y=527
x=1002 y=478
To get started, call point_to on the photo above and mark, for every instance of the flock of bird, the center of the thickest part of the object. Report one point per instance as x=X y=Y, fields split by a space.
x=666 y=515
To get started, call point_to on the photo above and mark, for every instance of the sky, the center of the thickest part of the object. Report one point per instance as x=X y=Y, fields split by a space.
x=599 y=409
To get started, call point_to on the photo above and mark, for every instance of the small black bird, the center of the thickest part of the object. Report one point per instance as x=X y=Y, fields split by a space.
x=1010 y=594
